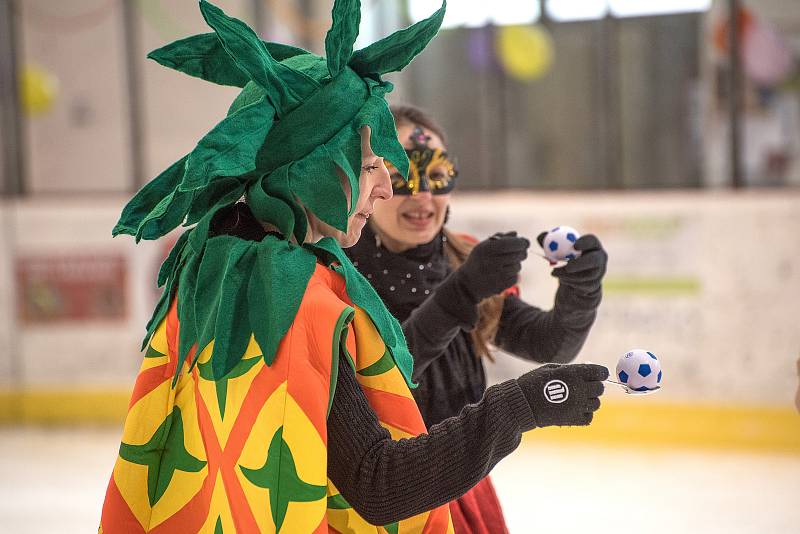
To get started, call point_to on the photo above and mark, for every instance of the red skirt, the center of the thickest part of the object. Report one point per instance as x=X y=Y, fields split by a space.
x=478 y=511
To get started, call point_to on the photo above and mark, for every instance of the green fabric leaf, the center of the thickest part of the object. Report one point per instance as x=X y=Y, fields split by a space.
x=299 y=133
x=276 y=288
x=341 y=161
x=230 y=148
x=364 y=296
x=315 y=181
x=148 y=198
x=166 y=216
x=281 y=189
x=393 y=53
x=251 y=93
x=219 y=191
x=348 y=143
x=234 y=329
x=201 y=56
x=342 y=36
x=281 y=52
x=200 y=234
x=285 y=87
x=345 y=149
x=168 y=267
x=187 y=287
x=272 y=201
x=204 y=57
x=221 y=299
x=311 y=65
x=376 y=114
x=236 y=288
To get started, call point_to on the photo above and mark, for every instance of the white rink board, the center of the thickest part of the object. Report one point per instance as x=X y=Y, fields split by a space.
x=729 y=329
x=726 y=329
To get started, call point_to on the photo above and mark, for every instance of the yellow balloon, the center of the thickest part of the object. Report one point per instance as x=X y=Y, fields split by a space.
x=37 y=90
x=526 y=52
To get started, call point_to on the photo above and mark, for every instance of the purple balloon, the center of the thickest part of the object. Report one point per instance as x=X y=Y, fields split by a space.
x=480 y=48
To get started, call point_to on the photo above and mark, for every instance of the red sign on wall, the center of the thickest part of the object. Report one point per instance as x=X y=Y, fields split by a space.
x=71 y=288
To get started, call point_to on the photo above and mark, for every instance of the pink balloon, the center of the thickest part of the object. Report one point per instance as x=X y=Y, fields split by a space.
x=480 y=48
x=766 y=57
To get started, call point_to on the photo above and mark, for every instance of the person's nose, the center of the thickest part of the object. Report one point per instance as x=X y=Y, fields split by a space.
x=424 y=195
x=383 y=185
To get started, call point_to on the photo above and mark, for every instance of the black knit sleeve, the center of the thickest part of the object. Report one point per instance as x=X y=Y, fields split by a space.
x=432 y=326
x=547 y=336
x=386 y=480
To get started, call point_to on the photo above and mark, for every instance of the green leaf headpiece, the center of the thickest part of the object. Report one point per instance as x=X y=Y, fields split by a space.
x=296 y=120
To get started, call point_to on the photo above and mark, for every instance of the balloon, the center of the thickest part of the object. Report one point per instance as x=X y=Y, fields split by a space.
x=37 y=90
x=766 y=56
x=480 y=47
x=526 y=52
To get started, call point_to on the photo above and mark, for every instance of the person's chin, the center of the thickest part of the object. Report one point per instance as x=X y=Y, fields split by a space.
x=419 y=235
x=352 y=236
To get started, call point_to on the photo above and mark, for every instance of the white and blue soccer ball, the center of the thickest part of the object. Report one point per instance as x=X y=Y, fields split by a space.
x=559 y=244
x=640 y=370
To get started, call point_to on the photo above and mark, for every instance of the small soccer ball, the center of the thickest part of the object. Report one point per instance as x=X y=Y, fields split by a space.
x=559 y=244
x=640 y=370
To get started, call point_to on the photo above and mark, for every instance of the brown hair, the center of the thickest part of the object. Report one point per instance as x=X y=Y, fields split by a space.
x=458 y=248
x=416 y=116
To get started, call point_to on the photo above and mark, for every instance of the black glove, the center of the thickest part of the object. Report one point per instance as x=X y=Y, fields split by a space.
x=564 y=395
x=493 y=265
x=585 y=273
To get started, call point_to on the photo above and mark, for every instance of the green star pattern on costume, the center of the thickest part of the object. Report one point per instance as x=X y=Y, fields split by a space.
x=207 y=372
x=379 y=367
x=163 y=454
x=337 y=502
x=153 y=353
x=279 y=476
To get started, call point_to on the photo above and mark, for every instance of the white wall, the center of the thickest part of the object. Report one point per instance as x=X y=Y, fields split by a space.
x=71 y=354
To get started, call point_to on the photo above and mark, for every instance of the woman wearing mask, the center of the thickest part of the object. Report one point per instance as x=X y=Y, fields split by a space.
x=456 y=297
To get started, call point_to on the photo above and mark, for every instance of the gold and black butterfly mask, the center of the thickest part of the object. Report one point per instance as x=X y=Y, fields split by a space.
x=430 y=169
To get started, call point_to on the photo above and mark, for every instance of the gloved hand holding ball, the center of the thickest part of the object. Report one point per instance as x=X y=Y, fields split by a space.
x=559 y=244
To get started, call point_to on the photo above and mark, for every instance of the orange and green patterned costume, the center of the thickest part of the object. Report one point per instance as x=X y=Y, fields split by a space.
x=226 y=430
x=247 y=452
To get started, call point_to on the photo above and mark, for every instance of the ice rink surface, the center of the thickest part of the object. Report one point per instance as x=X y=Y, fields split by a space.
x=52 y=481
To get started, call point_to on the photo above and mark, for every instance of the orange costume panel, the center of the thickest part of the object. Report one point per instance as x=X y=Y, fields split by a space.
x=247 y=453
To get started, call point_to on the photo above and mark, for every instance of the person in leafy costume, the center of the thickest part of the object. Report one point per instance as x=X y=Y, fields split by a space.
x=274 y=394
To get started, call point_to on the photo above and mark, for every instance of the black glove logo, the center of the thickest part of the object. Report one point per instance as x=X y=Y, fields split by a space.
x=556 y=391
